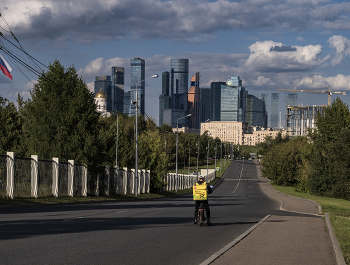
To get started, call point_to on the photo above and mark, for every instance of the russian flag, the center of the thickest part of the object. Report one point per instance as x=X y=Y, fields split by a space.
x=5 y=67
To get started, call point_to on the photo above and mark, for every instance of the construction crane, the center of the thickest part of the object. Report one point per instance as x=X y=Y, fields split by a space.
x=329 y=92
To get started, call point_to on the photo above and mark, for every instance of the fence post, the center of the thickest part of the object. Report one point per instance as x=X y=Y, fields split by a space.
x=116 y=179
x=70 y=177
x=148 y=181
x=55 y=175
x=34 y=175
x=10 y=164
x=107 y=169
x=84 y=181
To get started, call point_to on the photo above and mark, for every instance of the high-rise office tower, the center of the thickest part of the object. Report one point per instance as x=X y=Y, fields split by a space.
x=127 y=102
x=233 y=100
x=193 y=101
x=164 y=98
x=274 y=110
x=117 y=88
x=104 y=82
x=179 y=75
x=205 y=104
x=215 y=92
x=265 y=98
x=255 y=114
x=137 y=67
x=291 y=99
x=179 y=83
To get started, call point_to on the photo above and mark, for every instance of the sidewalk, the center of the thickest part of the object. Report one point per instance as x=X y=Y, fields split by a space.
x=295 y=234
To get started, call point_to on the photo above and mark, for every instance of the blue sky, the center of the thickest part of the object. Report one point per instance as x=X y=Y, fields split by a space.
x=270 y=44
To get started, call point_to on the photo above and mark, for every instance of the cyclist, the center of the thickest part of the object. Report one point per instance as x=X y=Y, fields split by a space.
x=205 y=202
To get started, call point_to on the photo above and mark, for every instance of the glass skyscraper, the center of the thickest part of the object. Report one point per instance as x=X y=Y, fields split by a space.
x=215 y=89
x=274 y=110
x=255 y=114
x=179 y=76
x=233 y=100
x=291 y=99
x=164 y=98
x=117 y=88
x=137 y=67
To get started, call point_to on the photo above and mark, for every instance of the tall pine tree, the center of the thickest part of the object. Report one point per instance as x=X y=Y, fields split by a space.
x=60 y=119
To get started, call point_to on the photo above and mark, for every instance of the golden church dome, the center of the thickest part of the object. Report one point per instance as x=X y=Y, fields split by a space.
x=101 y=94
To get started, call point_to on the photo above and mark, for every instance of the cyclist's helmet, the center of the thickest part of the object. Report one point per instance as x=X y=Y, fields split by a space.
x=200 y=179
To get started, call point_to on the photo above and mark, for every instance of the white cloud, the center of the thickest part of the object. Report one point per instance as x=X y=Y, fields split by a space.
x=341 y=46
x=318 y=82
x=87 y=21
x=262 y=81
x=270 y=56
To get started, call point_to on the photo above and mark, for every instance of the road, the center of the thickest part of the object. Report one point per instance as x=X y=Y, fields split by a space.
x=158 y=231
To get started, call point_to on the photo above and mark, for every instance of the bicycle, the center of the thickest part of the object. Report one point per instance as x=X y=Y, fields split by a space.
x=201 y=215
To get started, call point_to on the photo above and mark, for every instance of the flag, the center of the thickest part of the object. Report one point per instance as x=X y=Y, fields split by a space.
x=5 y=67
x=208 y=120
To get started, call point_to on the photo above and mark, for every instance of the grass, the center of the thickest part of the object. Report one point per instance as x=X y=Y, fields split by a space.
x=339 y=214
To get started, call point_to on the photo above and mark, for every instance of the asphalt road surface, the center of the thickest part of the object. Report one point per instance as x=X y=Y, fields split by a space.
x=158 y=231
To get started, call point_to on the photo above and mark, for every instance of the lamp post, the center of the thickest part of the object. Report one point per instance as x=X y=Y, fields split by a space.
x=136 y=138
x=216 y=147
x=221 y=156
x=177 y=140
x=197 y=157
x=116 y=144
x=189 y=160
x=184 y=159
x=208 y=156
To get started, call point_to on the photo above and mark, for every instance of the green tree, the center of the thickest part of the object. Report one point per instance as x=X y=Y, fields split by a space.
x=330 y=160
x=284 y=162
x=61 y=118
x=11 y=134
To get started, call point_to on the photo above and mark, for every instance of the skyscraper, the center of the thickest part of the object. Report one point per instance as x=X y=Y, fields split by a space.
x=137 y=67
x=193 y=101
x=117 y=88
x=233 y=100
x=215 y=89
x=255 y=114
x=179 y=83
x=205 y=104
x=274 y=110
x=179 y=76
x=164 y=98
x=291 y=99
x=104 y=82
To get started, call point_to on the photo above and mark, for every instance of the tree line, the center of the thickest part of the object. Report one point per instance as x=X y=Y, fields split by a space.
x=60 y=120
x=318 y=163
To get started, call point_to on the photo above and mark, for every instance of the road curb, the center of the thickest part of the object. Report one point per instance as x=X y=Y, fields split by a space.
x=234 y=242
x=337 y=253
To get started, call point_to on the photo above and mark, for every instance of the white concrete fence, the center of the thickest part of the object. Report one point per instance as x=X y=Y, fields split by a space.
x=33 y=177
x=22 y=177
x=185 y=181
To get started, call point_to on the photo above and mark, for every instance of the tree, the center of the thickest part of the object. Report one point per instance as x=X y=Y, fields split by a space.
x=284 y=162
x=61 y=118
x=330 y=160
x=10 y=129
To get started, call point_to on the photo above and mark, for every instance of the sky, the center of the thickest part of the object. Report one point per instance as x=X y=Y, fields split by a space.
x=270 y=44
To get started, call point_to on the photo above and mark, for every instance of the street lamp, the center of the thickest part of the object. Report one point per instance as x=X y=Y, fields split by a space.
x=136 y=138
x=216 y=148
x=177 y=140
x=208 y=156
x=197 y=157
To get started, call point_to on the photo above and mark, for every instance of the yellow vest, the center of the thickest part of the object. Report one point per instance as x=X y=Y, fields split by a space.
x=200 y=192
